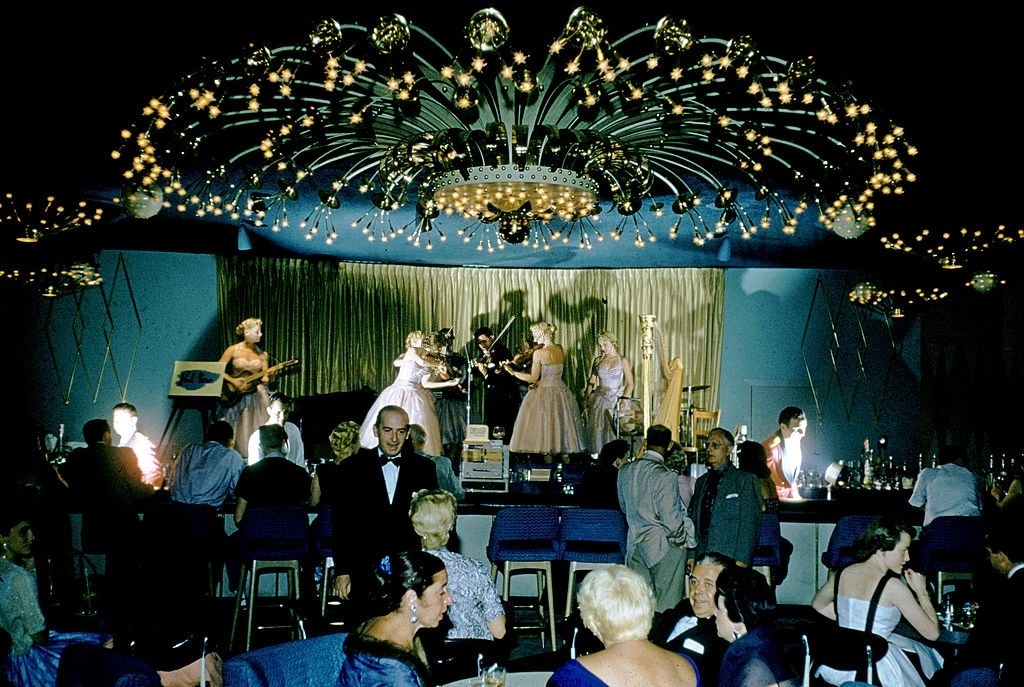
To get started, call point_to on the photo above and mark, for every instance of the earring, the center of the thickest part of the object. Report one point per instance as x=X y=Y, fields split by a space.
x=735 y=635
x=413 y=618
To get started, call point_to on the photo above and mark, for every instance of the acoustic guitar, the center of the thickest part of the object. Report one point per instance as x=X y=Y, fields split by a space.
x=230 y=396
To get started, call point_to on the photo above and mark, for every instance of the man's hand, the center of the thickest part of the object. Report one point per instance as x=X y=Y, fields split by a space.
x=343 y=586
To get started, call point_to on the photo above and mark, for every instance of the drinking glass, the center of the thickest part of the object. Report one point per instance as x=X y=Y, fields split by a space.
x=498 y=432
x=494 y=677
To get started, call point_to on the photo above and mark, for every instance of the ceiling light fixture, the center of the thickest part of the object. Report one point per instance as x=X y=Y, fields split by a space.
x=724 y=137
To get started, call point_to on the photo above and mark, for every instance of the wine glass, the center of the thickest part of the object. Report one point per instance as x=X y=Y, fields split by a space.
x=498 y=432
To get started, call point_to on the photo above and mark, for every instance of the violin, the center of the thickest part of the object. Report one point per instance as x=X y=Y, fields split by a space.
x=523 y=360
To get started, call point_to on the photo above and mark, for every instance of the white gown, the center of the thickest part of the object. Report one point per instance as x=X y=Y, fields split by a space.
x=407 y=393
x=602 y=404
x=895 y=669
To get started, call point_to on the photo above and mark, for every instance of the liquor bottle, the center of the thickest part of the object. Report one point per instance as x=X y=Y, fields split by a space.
x=869 y=469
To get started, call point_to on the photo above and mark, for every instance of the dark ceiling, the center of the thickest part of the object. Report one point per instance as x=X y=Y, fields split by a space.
x=74 y=79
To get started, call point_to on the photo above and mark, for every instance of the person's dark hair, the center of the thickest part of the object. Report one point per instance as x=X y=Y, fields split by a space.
x=951 y=453
x=486 y=331
x=791 y=413
x=220 y=431
x=612 y=451
x=881 y=535
x=725 y=434
x=658 y=435
x=127 y=407
x=284 y=399
x=746 y=597
x=94 y=430
x=753 y=459
x=395 y=574
x=272 y=437
x=1004 y=536
x=13 y=512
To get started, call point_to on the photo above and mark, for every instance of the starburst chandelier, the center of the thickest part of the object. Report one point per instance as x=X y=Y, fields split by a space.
x=603 y=139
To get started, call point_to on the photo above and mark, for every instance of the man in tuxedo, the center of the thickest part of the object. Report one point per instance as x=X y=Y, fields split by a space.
x=689 y=628
x=376 y=486
x=501 y=390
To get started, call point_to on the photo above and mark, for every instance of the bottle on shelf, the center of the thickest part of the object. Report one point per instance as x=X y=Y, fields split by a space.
x=867 y=458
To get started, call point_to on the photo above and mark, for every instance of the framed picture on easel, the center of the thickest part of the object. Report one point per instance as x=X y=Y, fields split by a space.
x=192 y=379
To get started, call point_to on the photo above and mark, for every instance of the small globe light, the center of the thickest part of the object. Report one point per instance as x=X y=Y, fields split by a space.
x=142 y=202
x=984 y=281
x=848 y=225
x=864 y=293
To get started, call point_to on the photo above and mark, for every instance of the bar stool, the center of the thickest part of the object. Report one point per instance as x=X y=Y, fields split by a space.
x=590 y=538
x=323 y=545
x=839 y=553
x=767 y=555
x=272 y=539
x=525 y=539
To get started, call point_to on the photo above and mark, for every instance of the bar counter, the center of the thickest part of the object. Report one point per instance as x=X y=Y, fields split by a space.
x=806 y=523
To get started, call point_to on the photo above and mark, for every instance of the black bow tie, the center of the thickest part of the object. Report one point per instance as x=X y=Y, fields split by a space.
x=384 y=460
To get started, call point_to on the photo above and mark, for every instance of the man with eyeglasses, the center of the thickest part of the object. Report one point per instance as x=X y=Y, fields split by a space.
x=726 y=505
x=501 y=390
x=784 y=453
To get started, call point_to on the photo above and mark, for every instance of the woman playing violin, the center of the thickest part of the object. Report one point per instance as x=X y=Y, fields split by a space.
x=549 y=418
x=410 y=391
x=451 y=406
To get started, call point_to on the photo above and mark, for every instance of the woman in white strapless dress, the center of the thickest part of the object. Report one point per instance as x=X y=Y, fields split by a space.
x=884 y=547
x=549 y=418
x=611 y=379
x=410 y=391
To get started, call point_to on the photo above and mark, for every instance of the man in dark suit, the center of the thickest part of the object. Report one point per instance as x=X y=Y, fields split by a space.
x=992 y=653
x=726 y=504
x=501 y=390
x=105 y=485
x=689 y=628
x=376 y=487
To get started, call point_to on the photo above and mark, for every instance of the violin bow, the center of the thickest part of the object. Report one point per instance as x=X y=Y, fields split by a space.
x=501 y=333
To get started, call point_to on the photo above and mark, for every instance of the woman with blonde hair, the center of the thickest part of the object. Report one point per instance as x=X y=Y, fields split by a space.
x=549 y=418
x=344 y=441
x=610 y=383
x=410 y=391
x=246 y=394
x=617 y=605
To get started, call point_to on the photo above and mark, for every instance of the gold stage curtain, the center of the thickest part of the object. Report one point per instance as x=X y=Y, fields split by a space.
x=347 y=322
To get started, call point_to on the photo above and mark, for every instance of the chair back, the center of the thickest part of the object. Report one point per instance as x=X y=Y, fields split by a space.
x=274 y=533
x=592 y=535
x=769 y=537
x=952 y=543
x=839 y=553
x=524 y=533
x=701 y=422
x=322 y=531
x=313 y=661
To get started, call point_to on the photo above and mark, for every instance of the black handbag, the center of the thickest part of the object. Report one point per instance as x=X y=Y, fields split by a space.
x=846 y=648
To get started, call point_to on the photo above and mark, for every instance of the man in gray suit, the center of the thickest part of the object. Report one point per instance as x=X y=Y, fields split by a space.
x=726 y=504
x=659 y=529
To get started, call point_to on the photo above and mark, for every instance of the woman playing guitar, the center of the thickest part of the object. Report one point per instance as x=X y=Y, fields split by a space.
x=245 y=360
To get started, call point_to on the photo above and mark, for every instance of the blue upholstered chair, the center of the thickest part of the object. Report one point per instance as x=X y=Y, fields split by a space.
x=839 y=553
x=313 y=661
x=525 y=539
x=322 y=531
x=767 y=557
x=952 y=547
x=590 y=538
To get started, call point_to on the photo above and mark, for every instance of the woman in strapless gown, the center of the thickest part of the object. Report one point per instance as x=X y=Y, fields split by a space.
x=411 y=392
x=549 y=418
x=245 y=411
x=611 y=378
x=882 y=548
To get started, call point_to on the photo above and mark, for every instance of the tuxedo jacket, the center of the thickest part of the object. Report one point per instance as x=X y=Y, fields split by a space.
x=366 y=525
x=700 y=641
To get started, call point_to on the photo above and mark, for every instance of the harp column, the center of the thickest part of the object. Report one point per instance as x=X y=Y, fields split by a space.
x=647 y=351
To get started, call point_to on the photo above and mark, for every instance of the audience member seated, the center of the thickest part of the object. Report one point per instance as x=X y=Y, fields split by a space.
x=617 y=605
x=88 y=665
x=992 y=649
x=883 y=551
x=948 y=489
x=206 y=473
x=279 y=408
x=759 y=655
x=476 y=617
x=344 y=442
x=35 y=650
x=409 y=592
x=273 y=481
x=689 y=628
